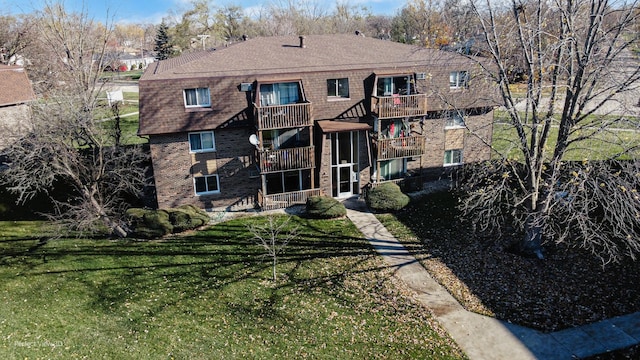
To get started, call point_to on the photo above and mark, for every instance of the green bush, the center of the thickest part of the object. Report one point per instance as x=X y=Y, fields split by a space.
x=187 y=217
x=323 y=207
x=149 y=223
x=156 y=223
x=386 y=197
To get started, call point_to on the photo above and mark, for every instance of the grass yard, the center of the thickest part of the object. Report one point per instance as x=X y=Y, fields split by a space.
x=129 y=128
x=207 y=295
x=599 y=147
x=129 y=118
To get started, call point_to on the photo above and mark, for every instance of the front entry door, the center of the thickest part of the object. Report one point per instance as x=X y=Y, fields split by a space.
x=344 y=180
x=344 y=164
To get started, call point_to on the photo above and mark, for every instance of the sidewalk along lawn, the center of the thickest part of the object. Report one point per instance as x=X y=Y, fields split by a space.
x=208 y=295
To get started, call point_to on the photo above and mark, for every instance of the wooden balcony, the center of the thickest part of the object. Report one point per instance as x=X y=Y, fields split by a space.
x=398 y=106
x=286 y=159
x=283 y=200
x=400 y=147
x=283 y=116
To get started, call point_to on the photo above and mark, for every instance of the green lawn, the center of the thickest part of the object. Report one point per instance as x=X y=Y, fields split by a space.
x=128 y=121
x=122 y=75
x=599 y=147
x=207 y=296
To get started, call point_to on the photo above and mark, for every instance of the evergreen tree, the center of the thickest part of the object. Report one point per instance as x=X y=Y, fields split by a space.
x=163 y=47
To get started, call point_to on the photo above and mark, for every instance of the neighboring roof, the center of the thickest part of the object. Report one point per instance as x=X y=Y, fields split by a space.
x=283 y=54
x=15 y=87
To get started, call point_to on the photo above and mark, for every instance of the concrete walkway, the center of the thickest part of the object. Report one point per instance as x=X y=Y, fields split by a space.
x=482 y=337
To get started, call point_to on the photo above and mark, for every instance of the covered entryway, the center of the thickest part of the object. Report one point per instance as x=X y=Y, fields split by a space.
x=342 y=160
x=344 y=163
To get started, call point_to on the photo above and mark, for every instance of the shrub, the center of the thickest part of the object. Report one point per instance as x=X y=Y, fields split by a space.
x=149 y=223
x=187 y=217
x=323 y=207
x=386 y=197
x=156 y=223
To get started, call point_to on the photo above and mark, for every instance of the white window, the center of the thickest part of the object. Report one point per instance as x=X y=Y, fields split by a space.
x=455 y=119
x=458 y=79
x=279 y=93
x=208 y=184
x=453 y=157
x=197 y=97
x=400 y=85
x=202 y=141
x=338 y=88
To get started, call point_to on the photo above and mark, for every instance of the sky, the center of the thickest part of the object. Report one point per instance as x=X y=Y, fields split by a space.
x=152 y=11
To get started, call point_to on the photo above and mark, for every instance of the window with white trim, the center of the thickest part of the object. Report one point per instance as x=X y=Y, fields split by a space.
x=207 y=184
x=280 y=93
x=455 y=119
x=453 y=157
x=338 y=88
x=198 y=97
x=458 y=79
x=203 y=141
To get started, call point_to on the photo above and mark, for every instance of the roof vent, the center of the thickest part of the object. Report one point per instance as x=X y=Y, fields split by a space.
x=302 y=44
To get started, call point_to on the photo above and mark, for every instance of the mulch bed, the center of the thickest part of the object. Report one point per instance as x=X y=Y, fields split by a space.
x=569 y=288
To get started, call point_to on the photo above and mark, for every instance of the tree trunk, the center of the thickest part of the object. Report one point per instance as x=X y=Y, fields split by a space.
x=274 y=269
x=532 y=242
x=115 y=228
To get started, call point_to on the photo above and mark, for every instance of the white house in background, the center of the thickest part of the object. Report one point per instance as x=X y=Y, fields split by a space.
x=135 y=60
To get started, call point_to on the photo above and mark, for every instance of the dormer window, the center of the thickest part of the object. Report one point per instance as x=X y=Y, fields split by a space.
x=198 y=97
x=395 y=85
x=458 y=79
x=283 y=93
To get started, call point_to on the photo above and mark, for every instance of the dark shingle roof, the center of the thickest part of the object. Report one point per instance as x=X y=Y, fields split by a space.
x=15 y=87
x=278 y=55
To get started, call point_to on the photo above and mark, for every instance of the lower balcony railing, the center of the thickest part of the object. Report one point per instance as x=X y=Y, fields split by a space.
x=283 y=200
x=286 y=159
x=400 y=147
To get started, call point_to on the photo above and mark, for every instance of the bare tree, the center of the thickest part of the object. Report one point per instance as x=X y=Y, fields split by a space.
x=347 y=18
x=15 y=36
x=287 y=17
x=421 y=22
x=571 y=174
x=231 y=24
x=273 y=234
x=68 y=144
x=379 y=27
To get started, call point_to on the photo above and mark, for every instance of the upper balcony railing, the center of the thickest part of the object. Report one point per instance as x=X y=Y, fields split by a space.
x=286 y=159
x=283 y=116
x=397 y=106
x=400 y=147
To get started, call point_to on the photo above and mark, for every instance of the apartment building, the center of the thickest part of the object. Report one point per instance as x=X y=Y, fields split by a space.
x=270 y=121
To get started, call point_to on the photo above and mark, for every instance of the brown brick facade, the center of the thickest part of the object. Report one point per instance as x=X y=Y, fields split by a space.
x=228 y=72
x=174 y=167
